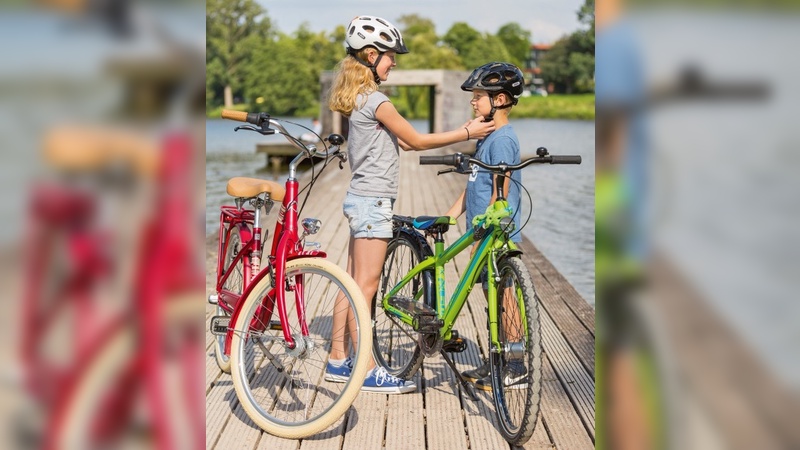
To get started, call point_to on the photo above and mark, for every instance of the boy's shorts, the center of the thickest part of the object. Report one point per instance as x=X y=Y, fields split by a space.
x=369 y=217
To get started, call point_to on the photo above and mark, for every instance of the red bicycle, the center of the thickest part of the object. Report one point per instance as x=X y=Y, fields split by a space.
x=274 y=329
x=114 y=369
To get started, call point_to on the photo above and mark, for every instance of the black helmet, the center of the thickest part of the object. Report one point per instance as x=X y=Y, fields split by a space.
x=496 y=77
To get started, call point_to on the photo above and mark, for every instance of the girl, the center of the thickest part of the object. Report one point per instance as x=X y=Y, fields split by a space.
x=377 y=132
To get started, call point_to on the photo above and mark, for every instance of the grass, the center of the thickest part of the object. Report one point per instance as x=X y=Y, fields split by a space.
x=574 y=107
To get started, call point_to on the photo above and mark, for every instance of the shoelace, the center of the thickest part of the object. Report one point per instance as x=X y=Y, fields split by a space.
x=382 y=376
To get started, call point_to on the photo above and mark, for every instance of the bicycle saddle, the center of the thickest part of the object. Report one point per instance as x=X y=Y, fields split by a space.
x=243 y=187
x=90 y=148
x=425 y=222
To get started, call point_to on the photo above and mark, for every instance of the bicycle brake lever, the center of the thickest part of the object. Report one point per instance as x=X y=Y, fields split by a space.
x=264 y=131
x=445 y=171
x=342 y=158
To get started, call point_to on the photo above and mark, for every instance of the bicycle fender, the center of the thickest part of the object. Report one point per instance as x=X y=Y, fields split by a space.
x=265 y=272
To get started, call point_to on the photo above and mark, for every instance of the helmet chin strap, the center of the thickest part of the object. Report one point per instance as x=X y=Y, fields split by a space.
x=494 y=109
x=370 y=66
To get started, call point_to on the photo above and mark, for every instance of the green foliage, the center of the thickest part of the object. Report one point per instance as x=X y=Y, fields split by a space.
x=578 y=107
x=234 y=29
x=279 y=73
x=517 y=41
x=569 y=65
x=475 y=49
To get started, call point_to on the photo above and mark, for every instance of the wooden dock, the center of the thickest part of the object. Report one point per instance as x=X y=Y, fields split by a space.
x=438 y=415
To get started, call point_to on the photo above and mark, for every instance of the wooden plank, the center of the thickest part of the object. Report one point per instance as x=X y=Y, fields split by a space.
x=576 y=303
x=445 y=425
x=405 y=426
x=576 y=382
x=366 y=422
x=219 y=403
x=559 y=416
x=578 y=337
x=722 y=373
x=439 y=415
x=540 y=439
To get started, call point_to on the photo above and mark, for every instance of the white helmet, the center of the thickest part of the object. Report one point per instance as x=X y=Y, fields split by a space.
x=365 y=31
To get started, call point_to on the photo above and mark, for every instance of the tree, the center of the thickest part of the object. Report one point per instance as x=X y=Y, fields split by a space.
x=426 y=52
x=569 y=64
x=517 y=41
x=234 y=28
x=473 y=48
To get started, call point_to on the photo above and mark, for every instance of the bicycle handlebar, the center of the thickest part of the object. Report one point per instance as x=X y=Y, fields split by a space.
x=460 y=161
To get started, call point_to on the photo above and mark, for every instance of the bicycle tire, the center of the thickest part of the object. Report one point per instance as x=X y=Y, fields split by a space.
x=108 y=376
x=517 y=398
x=394 y=343
x=281 y=405
x=234 y=284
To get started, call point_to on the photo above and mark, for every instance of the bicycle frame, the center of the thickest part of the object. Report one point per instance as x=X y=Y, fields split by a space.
x=286 y=245
x=162 y=268
x=493 y=242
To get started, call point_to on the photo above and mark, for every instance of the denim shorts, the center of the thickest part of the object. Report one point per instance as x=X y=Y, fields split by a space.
x=369 y=217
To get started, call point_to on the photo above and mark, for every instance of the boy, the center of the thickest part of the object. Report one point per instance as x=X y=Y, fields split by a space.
x=496 y=88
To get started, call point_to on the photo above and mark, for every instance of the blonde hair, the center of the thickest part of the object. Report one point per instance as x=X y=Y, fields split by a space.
x=352 y=78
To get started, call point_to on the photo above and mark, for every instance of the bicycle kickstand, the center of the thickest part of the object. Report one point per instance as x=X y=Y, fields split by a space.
x=464 y=384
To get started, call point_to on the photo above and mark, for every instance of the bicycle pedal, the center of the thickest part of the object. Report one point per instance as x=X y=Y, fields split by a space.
x=411 y=306
x=455 y=344
x=220 y=325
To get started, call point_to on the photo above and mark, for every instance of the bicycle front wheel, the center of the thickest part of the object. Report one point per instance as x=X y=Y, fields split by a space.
x=517 y=368
x=283 y=390
x=234 y=284
x=395 y=342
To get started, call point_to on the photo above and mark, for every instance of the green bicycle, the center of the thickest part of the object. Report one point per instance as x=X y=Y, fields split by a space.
x=412 y=319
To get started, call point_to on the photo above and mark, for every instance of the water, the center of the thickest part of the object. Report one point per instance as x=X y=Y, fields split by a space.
x=562 y=223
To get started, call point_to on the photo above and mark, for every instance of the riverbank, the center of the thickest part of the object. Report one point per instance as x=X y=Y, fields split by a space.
x=568 y=107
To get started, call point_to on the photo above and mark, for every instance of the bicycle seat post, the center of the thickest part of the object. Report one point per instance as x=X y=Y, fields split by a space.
x=255 y=254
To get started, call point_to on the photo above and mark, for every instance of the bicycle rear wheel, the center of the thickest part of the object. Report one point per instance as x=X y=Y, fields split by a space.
x=284 y=390
x=395 y=342
x=233 y=284
x=517 y=369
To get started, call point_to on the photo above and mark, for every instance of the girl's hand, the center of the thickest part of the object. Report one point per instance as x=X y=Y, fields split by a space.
x=478 y=129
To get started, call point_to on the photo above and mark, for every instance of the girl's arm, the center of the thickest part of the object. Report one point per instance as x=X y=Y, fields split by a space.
x=387 y=114
x=458 y=207
x=403 y=145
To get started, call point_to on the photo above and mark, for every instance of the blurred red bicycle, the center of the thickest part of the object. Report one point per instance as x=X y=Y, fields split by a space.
x=110 y=375
x=274 y=324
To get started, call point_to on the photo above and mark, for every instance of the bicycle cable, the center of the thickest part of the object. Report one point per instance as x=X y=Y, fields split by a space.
x=519 y=203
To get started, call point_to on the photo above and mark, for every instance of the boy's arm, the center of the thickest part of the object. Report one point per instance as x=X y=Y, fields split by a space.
x=506 y=186
x=458 y=207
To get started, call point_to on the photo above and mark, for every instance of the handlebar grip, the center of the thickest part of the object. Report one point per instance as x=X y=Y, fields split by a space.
x=565 y=159
x=446 y=160
x=241 y=116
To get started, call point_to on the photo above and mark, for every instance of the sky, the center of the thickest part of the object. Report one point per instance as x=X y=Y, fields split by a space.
x=547 y=20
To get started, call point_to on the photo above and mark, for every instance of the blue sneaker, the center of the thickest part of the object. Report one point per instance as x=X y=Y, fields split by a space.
x=379 y=381
x=339 y=374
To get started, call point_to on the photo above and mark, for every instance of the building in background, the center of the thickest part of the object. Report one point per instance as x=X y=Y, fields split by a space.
x=536 y=84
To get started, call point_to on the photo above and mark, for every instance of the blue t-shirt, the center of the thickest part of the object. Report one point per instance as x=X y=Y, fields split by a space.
x=501 y=146
x=620 y=85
